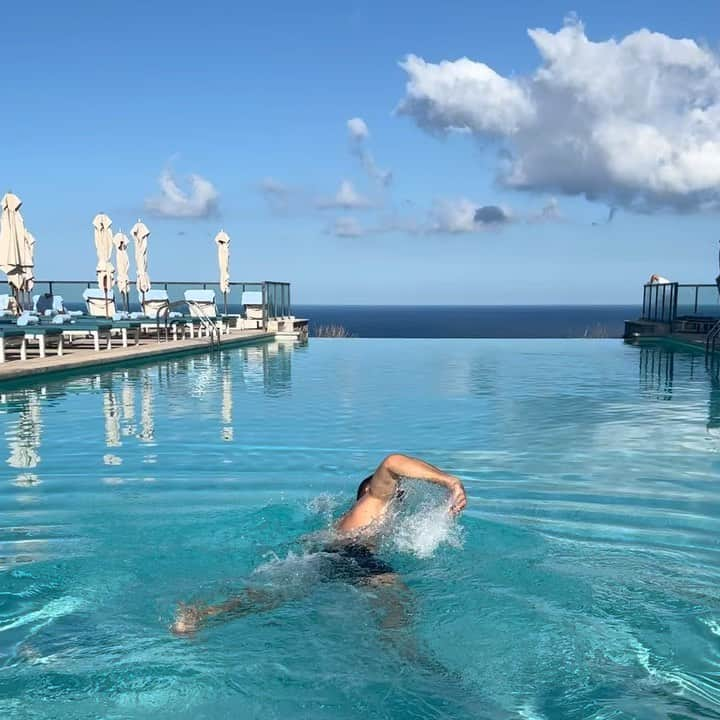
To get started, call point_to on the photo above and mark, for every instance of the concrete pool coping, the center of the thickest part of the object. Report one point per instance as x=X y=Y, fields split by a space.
x=80 y=359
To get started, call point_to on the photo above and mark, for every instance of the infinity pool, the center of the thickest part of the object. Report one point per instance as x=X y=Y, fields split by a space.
x=581 y=582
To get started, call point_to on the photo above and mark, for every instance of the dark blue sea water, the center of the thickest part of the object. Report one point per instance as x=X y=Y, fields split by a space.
x=471 y=321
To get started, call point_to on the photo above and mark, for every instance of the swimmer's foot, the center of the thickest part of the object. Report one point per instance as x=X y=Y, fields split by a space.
x=187 y=620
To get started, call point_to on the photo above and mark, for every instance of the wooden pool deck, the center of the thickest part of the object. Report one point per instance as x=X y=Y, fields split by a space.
x=81 y=354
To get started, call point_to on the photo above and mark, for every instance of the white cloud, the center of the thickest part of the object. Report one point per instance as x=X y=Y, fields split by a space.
x=634 y=123
x=174 y=202
x=463 y=95
x=346 y=198
x=359 y=133
x=453 y=216
x=460 y=216
x=357 y=128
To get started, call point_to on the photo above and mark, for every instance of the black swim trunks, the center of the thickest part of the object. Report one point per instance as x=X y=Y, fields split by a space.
x=353 y=563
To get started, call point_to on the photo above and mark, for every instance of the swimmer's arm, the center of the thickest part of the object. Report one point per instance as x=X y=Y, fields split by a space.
x=189 y=618
x=393 y=467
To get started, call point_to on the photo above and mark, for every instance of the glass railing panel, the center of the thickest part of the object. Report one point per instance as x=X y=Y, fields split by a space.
x=687 y=299
x=708 y=301
x=277 y=295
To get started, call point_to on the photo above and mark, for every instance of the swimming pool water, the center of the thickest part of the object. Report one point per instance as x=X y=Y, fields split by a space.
x=581 y=582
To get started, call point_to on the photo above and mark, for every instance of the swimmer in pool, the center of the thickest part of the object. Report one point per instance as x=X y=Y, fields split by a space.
x=351 y=555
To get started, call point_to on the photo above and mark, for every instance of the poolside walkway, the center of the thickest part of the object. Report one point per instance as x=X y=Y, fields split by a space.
x=83 y=355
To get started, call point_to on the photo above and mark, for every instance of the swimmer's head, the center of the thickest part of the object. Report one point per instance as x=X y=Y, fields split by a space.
x=364 y=489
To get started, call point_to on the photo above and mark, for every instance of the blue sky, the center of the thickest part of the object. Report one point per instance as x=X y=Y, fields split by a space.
x=101 y=99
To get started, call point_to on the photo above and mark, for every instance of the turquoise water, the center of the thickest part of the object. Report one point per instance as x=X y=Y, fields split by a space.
x=581 y=582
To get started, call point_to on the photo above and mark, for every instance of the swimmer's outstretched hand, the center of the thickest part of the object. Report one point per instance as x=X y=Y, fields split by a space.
x=458 y=498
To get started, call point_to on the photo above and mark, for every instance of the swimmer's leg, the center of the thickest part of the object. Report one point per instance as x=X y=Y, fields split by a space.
x=189 y=618
x=391 y=599
x=393 y=603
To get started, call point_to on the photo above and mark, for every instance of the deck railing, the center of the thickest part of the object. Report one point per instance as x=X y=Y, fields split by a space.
x=667 y=302
x=275 y=295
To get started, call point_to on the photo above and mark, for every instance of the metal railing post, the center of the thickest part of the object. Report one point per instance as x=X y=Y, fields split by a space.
x=264 y=305
x=662 y=305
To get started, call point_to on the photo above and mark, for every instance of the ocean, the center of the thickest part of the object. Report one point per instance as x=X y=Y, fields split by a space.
x=470 y=321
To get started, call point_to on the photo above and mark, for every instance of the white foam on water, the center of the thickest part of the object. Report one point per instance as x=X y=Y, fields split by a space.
x=47 y=613
x=325 y=505
x=528 y=712
x=292 y=571
x=423 y=531
x=698 y=688
x=712 y=625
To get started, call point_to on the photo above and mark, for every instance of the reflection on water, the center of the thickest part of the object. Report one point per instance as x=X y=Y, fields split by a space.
x=24 y=438
x=127 y=398
x=661 y=367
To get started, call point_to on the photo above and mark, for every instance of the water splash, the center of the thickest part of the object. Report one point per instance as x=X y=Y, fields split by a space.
x=326 y=505
x=425 y=527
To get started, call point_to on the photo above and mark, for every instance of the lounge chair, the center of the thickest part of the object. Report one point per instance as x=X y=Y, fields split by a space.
x=153 y=302
x=156 y=306
x=28 y=327
x=10 y=331
x=7 y=306
x=201 y=304
x=252 y=303
x=98 y=303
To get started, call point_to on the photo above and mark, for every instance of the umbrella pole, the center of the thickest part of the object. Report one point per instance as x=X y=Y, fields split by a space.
x=225 y=296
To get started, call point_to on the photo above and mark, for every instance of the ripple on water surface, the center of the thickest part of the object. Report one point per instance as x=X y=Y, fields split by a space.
x=581 y=582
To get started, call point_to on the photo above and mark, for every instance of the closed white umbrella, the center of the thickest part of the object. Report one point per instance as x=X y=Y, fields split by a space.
x=122 y=264
x=30 y=261
x=104 y=247
x=142 y=280
x=222 y=239
x=14 y=245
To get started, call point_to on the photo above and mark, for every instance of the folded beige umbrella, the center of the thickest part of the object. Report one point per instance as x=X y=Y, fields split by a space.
x=104 y=247
x=222 y=239
x=142 y=280
x=14 y=246
x=122 y=263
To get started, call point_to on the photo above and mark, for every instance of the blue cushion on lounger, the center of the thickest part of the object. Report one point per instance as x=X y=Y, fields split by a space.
x=121 y=315
x=203 y=296
x=156 y=295
x=137 y=316
x=27 y=319
x=61 y=318
x=75 y=313
x=96 y=294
